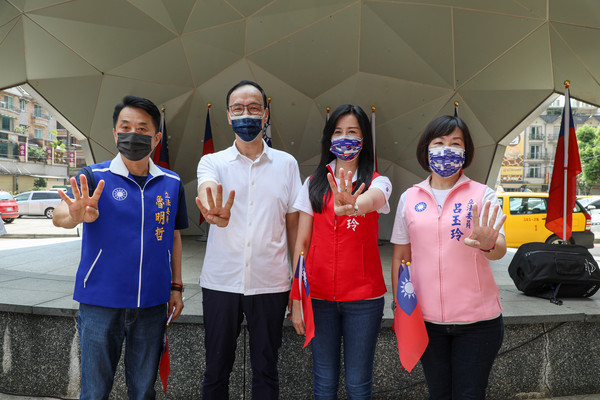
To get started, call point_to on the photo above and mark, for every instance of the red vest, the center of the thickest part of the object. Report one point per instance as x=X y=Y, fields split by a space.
x=343 y=262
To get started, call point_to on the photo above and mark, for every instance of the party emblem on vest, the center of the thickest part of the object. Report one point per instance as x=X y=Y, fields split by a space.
x=119 y=194
x=420 y=207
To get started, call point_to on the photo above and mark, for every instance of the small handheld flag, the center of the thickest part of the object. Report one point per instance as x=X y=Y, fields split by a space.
x=301 y=291
x=373 y=135
x=409 y=326
x=164 y=367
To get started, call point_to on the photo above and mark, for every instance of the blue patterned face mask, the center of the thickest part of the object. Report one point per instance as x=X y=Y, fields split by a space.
x=247 y=127
x=446 y=161
x=346 y=148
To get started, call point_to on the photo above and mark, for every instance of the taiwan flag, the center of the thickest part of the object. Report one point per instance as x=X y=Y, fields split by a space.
x=164 y=367
x=161 y=152
x=563 y=187
x=208 y=146
x=301 y=291
x=409 y=325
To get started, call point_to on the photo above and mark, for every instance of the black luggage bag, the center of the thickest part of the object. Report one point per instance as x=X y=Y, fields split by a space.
x=554 y=270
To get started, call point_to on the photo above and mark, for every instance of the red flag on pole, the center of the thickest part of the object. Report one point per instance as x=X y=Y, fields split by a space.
x=208 y=146
x=409 y=326
x=563 y=186
x=301 y=291
x=161 y=152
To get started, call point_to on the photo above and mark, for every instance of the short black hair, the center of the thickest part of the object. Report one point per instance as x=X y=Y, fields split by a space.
x=246 y=83
x=442 y=126
x=142 y=104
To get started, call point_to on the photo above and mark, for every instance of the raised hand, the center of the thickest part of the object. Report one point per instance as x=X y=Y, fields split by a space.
x=484 y=235
x=216 y=213
x=83 y=208
x=343 y=199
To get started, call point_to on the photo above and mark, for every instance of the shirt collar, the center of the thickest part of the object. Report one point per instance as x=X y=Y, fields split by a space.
x=232 y=153
x=426 y=184
x=117 y=166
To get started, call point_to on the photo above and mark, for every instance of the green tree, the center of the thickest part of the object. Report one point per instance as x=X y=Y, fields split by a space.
x=588 y=140
x=39 y=184
x=36 y=154
x=59 y=148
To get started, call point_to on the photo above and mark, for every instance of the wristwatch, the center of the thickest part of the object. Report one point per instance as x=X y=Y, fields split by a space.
x=355 y=213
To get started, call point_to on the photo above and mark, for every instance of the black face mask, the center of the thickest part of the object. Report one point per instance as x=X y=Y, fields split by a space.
x=134 y=146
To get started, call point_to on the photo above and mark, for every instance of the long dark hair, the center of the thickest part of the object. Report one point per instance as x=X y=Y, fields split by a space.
x=318 y=188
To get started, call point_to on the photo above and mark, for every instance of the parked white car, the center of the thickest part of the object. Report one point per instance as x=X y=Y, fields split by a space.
x=41 y=202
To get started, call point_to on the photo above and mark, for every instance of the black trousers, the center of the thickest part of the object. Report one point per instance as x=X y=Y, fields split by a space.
x=223 y=316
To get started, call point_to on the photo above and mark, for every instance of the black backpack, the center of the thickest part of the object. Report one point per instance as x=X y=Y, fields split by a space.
x=554 y=270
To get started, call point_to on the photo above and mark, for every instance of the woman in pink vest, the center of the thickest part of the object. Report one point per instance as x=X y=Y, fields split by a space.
x=438 y=229
x=338 y=232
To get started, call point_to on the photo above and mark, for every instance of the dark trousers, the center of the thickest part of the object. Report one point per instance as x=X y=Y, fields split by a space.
x=223 y=316
x=459 y=358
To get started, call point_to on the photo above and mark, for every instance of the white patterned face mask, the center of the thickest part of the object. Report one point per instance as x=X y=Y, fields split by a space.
x=446 y=161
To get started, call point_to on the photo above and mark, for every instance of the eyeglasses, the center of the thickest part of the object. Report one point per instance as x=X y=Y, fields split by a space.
x=253 y=109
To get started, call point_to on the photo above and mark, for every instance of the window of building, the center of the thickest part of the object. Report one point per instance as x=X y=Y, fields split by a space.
x=8 y=102
x=534 y=171
x=535 y=152
x=37 y=110
x=23 y=104
x=7 y=124
x=37 y=133
x=535 y=132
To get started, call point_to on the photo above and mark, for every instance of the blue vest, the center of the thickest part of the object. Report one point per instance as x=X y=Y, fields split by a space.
x=126 y=253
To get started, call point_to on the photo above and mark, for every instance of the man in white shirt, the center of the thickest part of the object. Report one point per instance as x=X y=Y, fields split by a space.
x=246 y=270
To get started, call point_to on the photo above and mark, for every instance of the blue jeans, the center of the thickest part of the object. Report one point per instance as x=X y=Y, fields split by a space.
x=459 y=358
x=358 y=322
x=101 y=333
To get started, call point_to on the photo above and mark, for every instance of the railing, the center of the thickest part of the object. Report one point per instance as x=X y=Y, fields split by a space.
x=40 y=116
x=5 y=106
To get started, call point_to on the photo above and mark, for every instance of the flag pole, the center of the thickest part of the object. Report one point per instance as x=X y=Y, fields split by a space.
x=566 y=127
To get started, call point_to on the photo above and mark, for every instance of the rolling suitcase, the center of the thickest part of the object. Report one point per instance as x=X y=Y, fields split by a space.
x=554 y=270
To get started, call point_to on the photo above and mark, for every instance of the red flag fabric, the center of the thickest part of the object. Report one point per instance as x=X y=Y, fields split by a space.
x=161 y=152
x=409 y=326
x=208 y=146
x=301 y=291
x=164 y=367
x=567 y=166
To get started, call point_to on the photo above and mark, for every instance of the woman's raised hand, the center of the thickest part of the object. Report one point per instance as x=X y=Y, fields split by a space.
x=484 y=235
x=343 y=199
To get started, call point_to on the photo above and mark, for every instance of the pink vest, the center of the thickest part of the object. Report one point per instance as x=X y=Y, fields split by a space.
x=343 y=261
x=453 y=282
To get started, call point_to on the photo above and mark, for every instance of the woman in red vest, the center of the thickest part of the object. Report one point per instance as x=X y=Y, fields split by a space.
x=438 y=229
x=338 y=231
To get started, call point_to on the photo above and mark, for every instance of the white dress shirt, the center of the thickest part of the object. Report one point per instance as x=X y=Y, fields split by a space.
x=249 y=255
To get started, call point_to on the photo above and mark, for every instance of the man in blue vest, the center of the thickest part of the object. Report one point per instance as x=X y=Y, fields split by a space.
x=130 y=268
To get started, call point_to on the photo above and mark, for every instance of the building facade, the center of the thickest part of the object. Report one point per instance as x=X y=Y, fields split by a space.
x=33 y=144
x=529 y=159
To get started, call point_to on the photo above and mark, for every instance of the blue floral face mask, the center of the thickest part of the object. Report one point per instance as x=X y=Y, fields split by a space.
x=446 y=161
x=247 y=127
x=346 y=148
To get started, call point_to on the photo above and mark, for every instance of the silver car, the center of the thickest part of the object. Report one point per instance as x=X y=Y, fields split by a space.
x=38 y=202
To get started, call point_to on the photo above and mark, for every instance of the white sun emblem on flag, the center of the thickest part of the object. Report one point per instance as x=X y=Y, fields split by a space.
x=407 y=289
x=119 y=194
